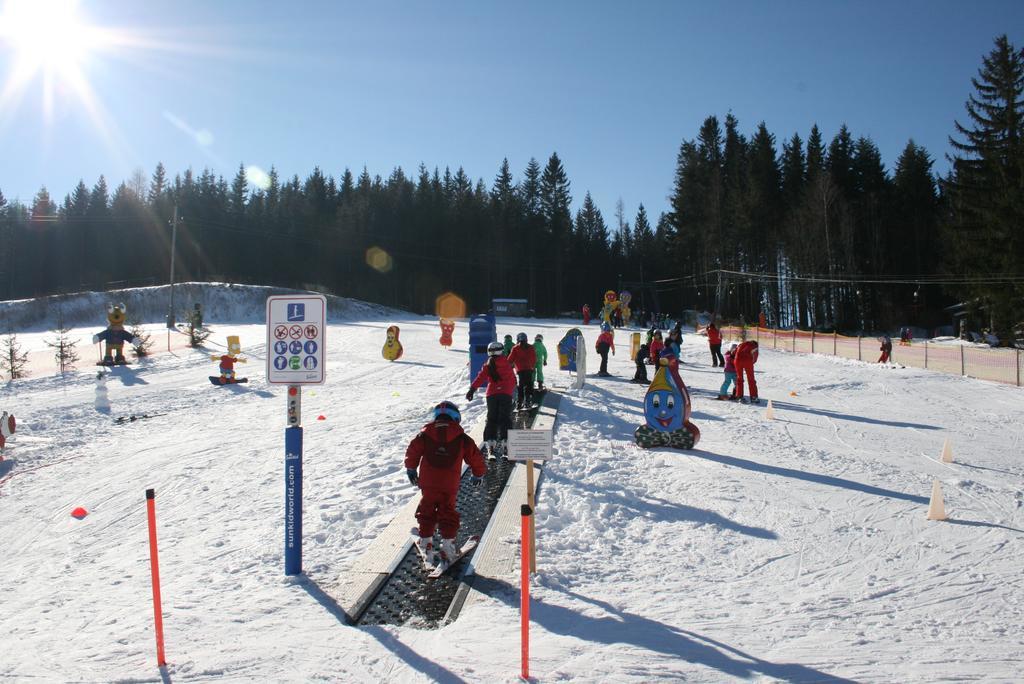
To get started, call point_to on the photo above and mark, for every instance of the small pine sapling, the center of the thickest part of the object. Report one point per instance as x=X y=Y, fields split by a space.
x=145 y=339
x=64 y=352
x=193 y=327
x=12 y=359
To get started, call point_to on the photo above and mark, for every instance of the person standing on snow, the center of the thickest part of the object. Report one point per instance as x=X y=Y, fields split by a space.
x=497 y=374
x=640 y=376
x=886 y=348
x=433 y=462
x=656 y=346
x=508 y=345
x=586 y=314
x=715 y=344
x=542 y=360
x=524 y=359
x=746 y=357
x=605 y=341
x=730 y=374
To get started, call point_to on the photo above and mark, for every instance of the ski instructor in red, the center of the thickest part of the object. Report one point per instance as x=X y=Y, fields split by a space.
x=746 y=357
x=438 y=451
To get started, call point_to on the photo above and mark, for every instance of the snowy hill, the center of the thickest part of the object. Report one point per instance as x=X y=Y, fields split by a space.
x=794 y=549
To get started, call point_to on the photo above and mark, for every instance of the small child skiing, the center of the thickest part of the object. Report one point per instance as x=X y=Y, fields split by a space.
x=656 y=346
x=438 y=452
x=523 y=358
x=542 y=360
x=605 y=341
x=497 y=374
x=730 y=374
x=641 y=365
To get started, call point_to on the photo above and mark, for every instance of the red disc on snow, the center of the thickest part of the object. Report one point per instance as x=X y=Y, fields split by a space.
x=79 y=513
x=321 y=418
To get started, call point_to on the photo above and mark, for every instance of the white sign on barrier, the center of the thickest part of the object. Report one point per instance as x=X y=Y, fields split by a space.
x=296 y=329
x=529 y=445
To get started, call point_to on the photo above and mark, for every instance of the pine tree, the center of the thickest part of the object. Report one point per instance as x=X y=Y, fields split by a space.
x=985 y=191
x=554 y=203
x=139 y=332
x=64 y=352
x=12 y=359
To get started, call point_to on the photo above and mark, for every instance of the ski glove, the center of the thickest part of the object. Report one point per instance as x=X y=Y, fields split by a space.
x=475 y=481
x=469 y=394
x=413 y=477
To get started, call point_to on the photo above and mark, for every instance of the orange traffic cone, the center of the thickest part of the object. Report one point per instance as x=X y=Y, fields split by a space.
x=936 y=507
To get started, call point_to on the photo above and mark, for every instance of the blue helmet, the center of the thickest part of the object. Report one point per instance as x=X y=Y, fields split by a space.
x=521 y=337
x=606 y=326
x=449 y=410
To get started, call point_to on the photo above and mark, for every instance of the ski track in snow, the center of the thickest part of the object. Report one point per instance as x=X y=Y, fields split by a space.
x=794 y=550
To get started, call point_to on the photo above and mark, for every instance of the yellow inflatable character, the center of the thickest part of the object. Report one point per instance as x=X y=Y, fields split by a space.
x=392 y=347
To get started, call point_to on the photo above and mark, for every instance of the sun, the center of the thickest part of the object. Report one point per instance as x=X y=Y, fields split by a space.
x=47 y=40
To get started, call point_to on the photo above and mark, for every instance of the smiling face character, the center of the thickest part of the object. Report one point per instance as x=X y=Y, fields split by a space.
x=234 y=346
x=116 y=314
x=664 y=406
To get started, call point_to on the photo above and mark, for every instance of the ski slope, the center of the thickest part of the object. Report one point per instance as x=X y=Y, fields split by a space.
x=794 y=549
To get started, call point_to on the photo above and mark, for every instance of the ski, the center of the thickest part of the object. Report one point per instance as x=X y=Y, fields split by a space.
x=121 y=420
x=444 y=565
x=217 y=380
x=428 y=563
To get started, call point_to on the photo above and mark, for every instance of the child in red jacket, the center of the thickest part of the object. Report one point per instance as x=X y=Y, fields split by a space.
x=523 y=358
x=501 y=385
x=438 y=451
x=656 y=346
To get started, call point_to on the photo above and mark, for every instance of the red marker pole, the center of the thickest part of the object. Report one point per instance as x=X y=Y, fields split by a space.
x=158 y=617
x=524 y=594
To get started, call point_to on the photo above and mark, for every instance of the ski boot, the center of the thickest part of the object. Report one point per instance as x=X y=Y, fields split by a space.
x=502 y=449
x=755 y=400
x=744 y=400
x=426 y=548
x=449 y=552
x=119 y=360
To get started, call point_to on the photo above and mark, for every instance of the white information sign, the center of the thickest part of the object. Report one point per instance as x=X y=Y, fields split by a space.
x=525 y=445
x=296 y=332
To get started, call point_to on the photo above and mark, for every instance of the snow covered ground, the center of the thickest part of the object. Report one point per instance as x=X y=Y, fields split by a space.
x=795 y=549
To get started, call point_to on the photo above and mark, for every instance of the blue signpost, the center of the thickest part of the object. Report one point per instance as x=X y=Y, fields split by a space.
x=296 y=327
x=292 y=499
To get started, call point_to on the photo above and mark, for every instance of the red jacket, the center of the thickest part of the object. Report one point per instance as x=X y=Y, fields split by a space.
x=746 y=354
x=523 y=356
x=656 y=347
x=438 y=451
x=506 y=382
x=714 y=336
x=607 y=338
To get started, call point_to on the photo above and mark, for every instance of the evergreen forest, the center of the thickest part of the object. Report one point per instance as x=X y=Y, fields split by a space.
x=814 y=232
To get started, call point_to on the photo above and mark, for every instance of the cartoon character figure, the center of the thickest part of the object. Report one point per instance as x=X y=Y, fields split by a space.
x=667 y=410
x=447 y=328
x=567 y=350
x=392 y=350
x=227 y=363
x=115 y=336
x=7 y=427
x=610 y=306
x=625 y=297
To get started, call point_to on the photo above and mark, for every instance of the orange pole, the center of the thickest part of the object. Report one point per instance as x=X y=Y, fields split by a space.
x=158 y=617
x=524 y=594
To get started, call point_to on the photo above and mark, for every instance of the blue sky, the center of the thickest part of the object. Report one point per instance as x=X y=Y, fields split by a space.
x=612 y=87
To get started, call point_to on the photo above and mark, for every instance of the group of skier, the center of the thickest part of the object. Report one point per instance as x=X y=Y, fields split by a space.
x=435 y=456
